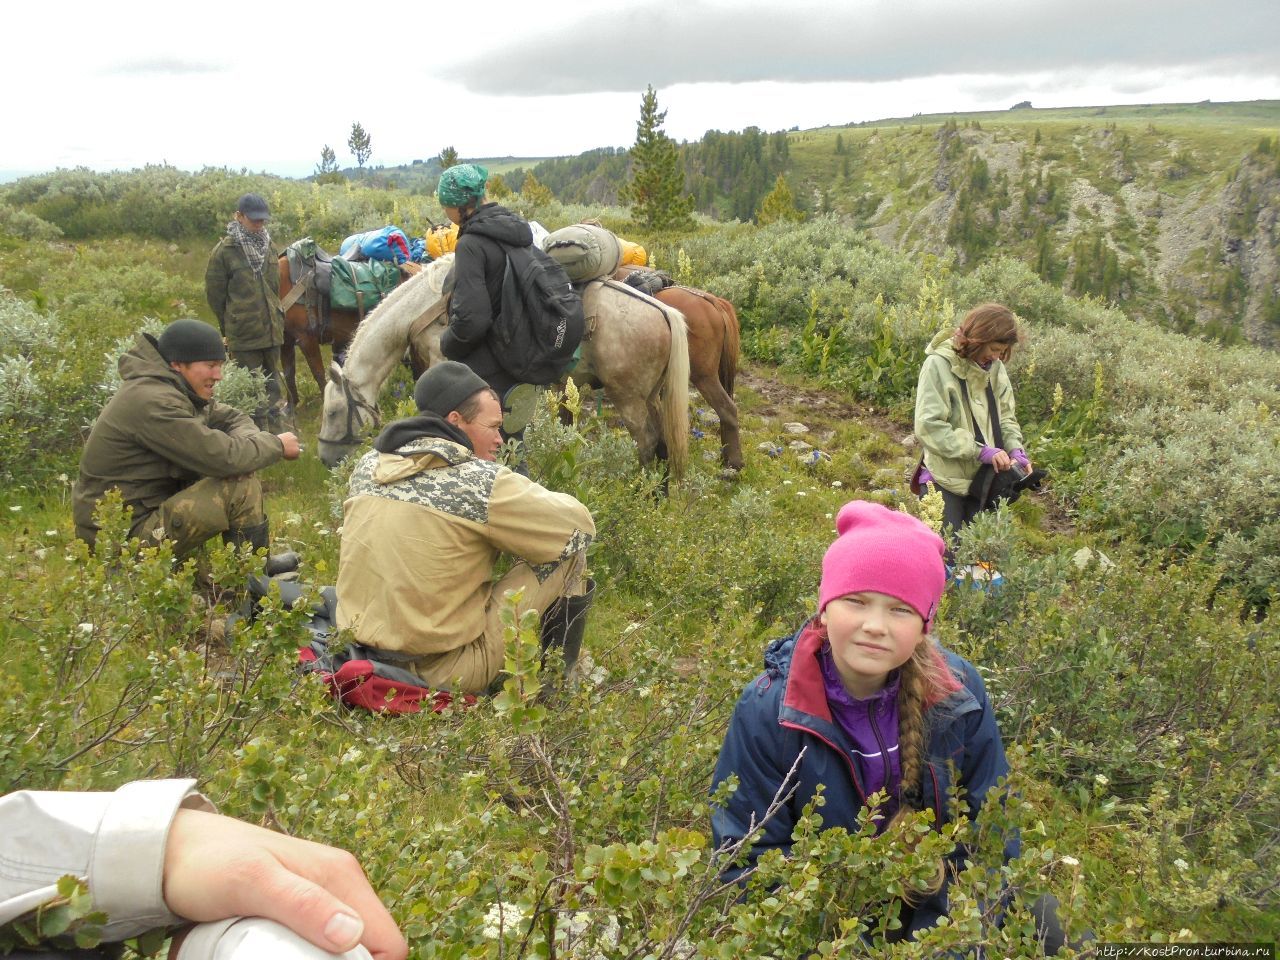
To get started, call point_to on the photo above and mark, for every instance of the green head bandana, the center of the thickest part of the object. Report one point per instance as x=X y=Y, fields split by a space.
x=462 y=184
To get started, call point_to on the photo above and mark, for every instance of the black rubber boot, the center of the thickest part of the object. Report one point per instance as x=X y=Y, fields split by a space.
x=563 y=626
x=258 y=536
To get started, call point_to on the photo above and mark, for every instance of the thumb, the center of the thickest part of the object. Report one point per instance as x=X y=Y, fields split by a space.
x=310 y=911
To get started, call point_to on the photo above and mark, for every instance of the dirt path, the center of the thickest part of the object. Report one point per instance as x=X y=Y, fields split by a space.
x=789 y=402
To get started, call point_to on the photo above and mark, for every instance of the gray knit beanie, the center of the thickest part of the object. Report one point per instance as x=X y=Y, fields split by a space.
x=188 y=341
x=445 y=387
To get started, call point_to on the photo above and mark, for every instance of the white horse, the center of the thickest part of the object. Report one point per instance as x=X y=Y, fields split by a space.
x=633 y=347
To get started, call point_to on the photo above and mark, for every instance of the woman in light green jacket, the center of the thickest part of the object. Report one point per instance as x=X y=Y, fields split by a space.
x=973 y=355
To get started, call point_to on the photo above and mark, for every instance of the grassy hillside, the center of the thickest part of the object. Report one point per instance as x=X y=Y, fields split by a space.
x=1170 y=209
x=1136 y=693
x=1167 y=209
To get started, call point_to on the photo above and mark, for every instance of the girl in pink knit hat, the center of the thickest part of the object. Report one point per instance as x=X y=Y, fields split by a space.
x=874 y=703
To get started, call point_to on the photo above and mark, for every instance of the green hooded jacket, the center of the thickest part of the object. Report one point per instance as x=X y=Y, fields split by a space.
x=943 y=423
x=155 y=437
x=247 y=304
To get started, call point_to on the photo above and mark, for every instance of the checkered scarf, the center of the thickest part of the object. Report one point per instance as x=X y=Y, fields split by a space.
x=254 y=245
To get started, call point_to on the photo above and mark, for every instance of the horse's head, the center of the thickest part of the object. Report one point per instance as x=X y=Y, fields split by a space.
x=346 y=418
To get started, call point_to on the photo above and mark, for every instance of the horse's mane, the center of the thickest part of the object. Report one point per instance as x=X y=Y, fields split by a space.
x=432 y=277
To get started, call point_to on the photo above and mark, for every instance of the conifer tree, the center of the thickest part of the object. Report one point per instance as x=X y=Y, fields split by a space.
x=496 y=187
x=535 y=192
x=655 y=191
x=448 y=158
x=360 y=144
x=778 y=204
x=839 y=144
x=327 y=169
x=328 y=160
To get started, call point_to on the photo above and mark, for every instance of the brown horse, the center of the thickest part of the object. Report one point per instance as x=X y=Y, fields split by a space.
x=339 y=333
x=713 y=356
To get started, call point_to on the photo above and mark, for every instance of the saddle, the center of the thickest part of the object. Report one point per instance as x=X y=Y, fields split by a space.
x=311 y=273
x=648 y=281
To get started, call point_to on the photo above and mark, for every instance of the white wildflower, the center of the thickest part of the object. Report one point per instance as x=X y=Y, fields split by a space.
x=1071 y=861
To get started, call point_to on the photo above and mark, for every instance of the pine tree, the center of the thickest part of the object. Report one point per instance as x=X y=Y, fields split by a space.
x=839 y=144
x=360 y=144
x=448 y=158
x=655 y=191
x=536 y=193
x=328 y=160
x=778 y=204
x=496 y=188
x=327 y=169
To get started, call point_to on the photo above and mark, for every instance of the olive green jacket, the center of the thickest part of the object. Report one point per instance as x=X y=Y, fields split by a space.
x=155 y=437
x=944 y=424
x=246 y=304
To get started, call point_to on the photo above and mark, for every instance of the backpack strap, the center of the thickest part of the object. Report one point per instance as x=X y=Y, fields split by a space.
x=995 y=415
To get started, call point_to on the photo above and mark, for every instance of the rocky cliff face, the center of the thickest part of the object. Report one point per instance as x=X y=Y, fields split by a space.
x=1174 y=231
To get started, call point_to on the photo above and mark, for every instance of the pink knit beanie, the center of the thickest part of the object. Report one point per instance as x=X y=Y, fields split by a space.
x=884 y=551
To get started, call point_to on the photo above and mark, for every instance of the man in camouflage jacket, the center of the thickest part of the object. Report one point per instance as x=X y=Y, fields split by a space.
x=183 y=463
x=429 y=513
x=242 y=285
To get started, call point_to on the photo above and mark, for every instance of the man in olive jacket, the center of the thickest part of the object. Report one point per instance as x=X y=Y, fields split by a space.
x=242 y=285
x=183 y=463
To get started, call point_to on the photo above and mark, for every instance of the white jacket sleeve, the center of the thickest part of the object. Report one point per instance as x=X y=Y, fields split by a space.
x=113 y=841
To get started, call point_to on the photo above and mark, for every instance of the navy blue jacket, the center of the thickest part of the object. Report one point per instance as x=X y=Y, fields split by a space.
x=785 y=709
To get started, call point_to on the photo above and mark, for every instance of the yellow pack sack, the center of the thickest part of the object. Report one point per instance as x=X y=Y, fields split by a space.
x=633 y=253
x=442 y=239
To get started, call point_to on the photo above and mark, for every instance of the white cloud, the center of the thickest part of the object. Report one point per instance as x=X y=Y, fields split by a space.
x=265 y=86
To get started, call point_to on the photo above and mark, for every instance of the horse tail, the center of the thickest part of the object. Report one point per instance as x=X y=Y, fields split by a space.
x=732 y=344
x=675 y=395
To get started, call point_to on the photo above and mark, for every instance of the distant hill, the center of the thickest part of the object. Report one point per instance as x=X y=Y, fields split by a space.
x=420 y=176
x=1167 y=209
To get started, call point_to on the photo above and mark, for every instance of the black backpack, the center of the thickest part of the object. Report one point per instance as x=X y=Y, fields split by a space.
x=541 y=322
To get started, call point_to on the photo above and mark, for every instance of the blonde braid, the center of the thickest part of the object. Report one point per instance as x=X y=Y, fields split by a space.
x=925 y=680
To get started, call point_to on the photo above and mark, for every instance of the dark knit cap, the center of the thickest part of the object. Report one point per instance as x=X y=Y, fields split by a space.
x=445 y=387
x=253 y=206
x=187 y=341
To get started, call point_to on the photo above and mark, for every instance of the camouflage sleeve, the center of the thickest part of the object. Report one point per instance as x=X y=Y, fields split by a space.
x=535 y=524
x=215 y=285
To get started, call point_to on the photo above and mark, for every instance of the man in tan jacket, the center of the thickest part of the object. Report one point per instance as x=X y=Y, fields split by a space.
x=429 y=513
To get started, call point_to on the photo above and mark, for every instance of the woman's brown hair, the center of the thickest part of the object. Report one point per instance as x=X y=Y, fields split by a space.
x=987 y=323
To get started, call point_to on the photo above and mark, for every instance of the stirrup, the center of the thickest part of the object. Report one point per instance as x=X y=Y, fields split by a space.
x=518 y=407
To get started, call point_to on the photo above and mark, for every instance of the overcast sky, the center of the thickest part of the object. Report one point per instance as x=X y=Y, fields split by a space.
x=253 y=85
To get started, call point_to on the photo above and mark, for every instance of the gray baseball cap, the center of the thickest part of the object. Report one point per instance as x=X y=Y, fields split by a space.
x=253 y=206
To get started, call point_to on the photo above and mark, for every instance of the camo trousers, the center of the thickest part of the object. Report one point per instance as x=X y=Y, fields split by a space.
x=203 y=510
x=472 y=668
x=270 y=415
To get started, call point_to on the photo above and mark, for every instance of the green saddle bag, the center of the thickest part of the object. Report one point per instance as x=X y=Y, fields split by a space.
x=361 y=286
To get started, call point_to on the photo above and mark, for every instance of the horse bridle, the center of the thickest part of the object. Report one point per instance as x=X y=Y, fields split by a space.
x=355 y=402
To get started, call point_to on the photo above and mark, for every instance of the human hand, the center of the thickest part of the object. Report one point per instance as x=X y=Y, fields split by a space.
x=292 y=449
x=1020 y=456
x=1001 y=461
x=216 y=867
